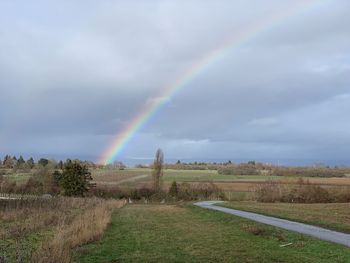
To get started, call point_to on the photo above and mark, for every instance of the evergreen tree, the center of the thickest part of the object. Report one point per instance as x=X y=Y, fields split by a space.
x=20 y=161
x=75 y=179
x=173 y=190
x=31 y=163
x=43 y=162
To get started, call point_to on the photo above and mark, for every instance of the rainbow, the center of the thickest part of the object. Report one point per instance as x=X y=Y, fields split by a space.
x=152 y=106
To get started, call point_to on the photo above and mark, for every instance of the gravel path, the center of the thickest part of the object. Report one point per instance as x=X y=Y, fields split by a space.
x=318 y=232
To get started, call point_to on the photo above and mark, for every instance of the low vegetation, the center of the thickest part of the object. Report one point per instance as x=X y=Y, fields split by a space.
x=302 y=192
x=183 y=192
x=44 y=230
x=333 y=216
x=174 y=233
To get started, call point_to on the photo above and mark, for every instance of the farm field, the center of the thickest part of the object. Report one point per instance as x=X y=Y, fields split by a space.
x=174 y=233
x=112 y=176
x=331 y=215
x=139 y=177
x=236 y=183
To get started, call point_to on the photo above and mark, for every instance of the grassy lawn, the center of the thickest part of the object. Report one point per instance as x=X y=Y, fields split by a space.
x=170 y=233
x=334 y=216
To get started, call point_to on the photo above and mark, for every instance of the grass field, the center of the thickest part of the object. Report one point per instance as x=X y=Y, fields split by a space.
x=334 y=216
x=170 y=233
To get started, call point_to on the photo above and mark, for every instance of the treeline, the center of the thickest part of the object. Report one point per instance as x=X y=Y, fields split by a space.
x=196 y=165
x=14 y=163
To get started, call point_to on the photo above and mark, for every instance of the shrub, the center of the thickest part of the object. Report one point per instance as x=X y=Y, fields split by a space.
x=75 y=179
x=302 y=192
x=173 y=190
x=202 y=191
x=270 y=192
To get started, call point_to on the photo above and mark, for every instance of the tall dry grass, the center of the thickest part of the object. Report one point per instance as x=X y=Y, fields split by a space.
x=86 y=227
x=71 y=222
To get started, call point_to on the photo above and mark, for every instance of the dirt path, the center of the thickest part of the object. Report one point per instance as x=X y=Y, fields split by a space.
x=318 y=232
x=126 y=180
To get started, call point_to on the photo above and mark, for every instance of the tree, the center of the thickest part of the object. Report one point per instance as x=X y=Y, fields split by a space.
x=20 y=162
x=8 y=162
x=173 y=190
x=251 y=162
x=30 y=163
x=157 y=172
x=75 y=179
x=60 y=165
x=43 y=162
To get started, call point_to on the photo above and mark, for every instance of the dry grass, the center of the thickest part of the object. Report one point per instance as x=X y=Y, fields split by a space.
x=28 y=223
x=301 y=192
x=86 y=227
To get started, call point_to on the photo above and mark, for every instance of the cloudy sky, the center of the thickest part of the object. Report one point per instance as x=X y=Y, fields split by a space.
x=73 y=74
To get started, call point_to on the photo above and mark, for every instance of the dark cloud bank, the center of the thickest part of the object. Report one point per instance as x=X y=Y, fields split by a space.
x=72 y=75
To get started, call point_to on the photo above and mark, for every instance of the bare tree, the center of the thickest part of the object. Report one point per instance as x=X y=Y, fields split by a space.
x=157 y=172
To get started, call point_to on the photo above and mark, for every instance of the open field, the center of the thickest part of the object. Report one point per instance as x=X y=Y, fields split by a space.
x=110 y=176
x=137 y=177
x=333 y=216
x=234 y=183
x=171 y=233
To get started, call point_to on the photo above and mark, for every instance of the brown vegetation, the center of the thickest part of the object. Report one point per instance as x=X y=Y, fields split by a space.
x=302 y=192
x=61 y=223
x=184 y=191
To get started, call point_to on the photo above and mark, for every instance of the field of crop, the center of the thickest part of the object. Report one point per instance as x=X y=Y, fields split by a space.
x=175 y=233
x=334 y=216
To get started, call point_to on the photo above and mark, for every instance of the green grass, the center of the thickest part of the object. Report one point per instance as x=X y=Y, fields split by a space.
x=332 y=215
x=169 y=233
x=19 y=178
x=132 y=171
x=22 y=247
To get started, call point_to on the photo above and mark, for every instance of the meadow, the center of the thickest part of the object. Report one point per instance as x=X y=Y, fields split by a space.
x=184 y=233
x=332 y=216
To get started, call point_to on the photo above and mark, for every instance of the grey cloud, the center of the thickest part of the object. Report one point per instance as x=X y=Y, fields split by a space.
x=74 y=74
